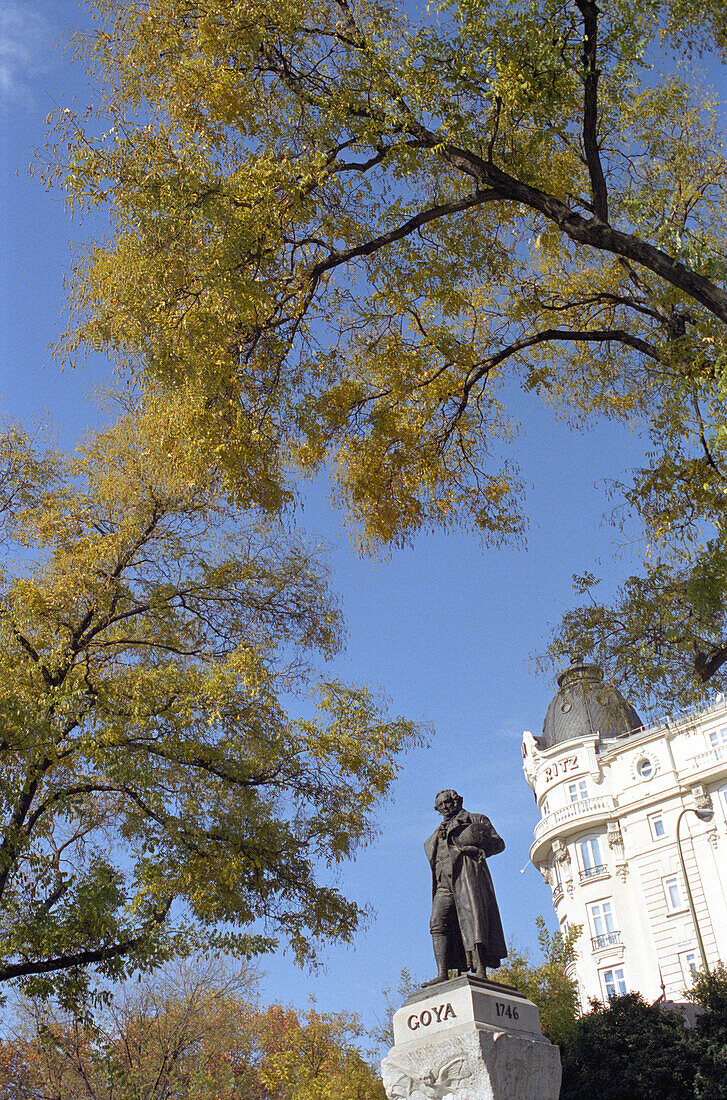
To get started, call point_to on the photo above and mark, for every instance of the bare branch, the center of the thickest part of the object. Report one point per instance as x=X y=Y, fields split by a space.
x=591 y=73
x=443 y=210
x=594 y=335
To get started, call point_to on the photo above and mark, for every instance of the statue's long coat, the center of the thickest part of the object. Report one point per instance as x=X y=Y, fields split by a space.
x=474 y=895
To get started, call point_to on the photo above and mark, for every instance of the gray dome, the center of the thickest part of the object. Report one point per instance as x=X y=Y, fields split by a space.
x=585 y=705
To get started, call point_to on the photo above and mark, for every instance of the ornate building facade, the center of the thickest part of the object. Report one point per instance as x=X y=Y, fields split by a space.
x=612 y=795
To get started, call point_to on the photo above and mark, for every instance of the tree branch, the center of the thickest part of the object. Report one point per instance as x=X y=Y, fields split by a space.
x=82 y=634
x=82 y=958
x=703 y=438
x=591 y=73
x=32 y=652
x=587 y=231
x=706 y=667
x=336 y=258
x=595 y=335
x=14 y=829
x=199 y=762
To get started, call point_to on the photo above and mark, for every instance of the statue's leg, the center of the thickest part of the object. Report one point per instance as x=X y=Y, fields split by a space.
x=439 y=943
x=439 y=926
x=479 y=967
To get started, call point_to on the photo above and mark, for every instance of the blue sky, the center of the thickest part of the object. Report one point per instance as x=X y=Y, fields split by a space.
x=446 y=627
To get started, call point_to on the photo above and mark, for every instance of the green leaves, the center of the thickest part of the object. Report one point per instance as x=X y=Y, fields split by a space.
x=550 y=983
x=629 y=1048
x=325 y=227
x=152 y=782
x=661 y=635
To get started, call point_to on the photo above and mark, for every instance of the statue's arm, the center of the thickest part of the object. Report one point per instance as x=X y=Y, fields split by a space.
x=492 y=843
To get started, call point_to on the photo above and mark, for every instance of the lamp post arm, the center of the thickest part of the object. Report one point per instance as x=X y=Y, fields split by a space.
x=700 y=941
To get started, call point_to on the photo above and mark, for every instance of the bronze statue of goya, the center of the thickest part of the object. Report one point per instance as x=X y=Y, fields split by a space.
x=465 y=924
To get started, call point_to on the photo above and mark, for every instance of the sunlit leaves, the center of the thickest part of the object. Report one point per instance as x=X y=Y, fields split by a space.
x=336 y=226
x=549 y=983
x=345 y=232
x=196 y=1033
x=662 y=635
x=152 y=780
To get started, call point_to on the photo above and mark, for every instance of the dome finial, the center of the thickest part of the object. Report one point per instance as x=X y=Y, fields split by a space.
x=585 y=706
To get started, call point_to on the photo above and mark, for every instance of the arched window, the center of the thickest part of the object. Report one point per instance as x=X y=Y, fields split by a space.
x=591 y=859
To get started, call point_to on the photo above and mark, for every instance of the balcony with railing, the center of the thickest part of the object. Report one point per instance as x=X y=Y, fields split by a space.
x=608 y=939
x=569 y=818
x=593 y=872
x=717 y=754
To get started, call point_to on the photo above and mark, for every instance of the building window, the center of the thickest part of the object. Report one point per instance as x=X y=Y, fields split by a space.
x=544 y=807
x=614 y=982
x=557 y=882
x=718 y=739
x=673 y=894
x=578 y=792
x=645 y=768
x=603 y=924
x=690 y=966
x=656 y=824
x=591 y=860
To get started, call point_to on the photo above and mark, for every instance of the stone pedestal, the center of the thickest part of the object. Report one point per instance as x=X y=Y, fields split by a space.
x=467 y=1039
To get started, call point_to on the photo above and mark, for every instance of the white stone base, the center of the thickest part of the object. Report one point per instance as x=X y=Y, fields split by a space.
x=461 y=1054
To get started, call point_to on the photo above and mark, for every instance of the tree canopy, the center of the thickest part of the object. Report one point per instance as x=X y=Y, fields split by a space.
x=710 y=1032
x=550 y=983
x=155 y=789
x=345 y=232
x=192 y=1033
x=630 y=1049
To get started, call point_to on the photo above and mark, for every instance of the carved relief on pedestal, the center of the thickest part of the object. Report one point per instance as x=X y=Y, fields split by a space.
x=485 y=1065
x=412 y=1077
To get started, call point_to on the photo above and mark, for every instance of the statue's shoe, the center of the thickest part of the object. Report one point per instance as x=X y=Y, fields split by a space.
x=436 y=981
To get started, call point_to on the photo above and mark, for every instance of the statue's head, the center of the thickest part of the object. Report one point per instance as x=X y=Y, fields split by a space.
x=448 y=803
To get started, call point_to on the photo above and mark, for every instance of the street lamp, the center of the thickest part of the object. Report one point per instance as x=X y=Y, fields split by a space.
x=703 y=815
